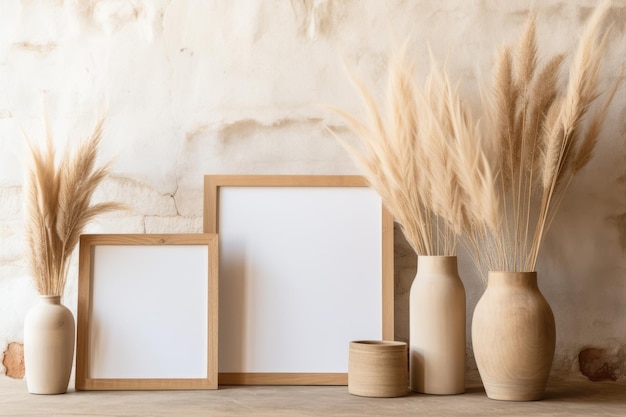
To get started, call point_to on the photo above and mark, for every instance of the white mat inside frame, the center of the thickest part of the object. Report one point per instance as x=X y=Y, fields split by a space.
x=305 y=267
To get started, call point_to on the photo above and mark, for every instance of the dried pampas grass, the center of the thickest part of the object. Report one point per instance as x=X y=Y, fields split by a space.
x=498 y=185
x=58 y=207
x=404 y=153
x=538 y=141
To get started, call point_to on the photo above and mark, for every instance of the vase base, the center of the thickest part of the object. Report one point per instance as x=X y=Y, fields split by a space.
x=435 y=392
x=515 y=398
x=47 y=393
x=515 y=393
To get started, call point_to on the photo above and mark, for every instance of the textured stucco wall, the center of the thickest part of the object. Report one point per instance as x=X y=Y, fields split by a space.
x=204 y=87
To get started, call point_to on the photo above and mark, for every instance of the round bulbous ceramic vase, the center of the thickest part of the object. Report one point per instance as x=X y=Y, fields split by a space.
x=513 y=336
x=48 y=346
x=437 y=327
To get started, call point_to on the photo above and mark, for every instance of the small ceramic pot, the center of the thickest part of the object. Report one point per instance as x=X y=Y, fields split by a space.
x=378 y=369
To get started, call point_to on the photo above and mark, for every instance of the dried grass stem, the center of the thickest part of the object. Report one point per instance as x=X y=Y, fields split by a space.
x=58 y=207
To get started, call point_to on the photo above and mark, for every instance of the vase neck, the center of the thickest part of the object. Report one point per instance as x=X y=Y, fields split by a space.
x=445 y=264
x=512 y=279
x=50 y=299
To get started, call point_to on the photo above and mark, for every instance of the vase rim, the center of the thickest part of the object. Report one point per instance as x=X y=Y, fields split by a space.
x=377 y=346
x=50 y=298
x=378 y=343
x=512 y=278
x=436 y=256
x=437 y=264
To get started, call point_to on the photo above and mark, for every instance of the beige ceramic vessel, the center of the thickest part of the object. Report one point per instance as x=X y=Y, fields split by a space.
x=437 y=327
x=513 y=335
x=377 y=369
x=48 y=346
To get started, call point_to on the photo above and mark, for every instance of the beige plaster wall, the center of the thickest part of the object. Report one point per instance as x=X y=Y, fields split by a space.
x=205 y=87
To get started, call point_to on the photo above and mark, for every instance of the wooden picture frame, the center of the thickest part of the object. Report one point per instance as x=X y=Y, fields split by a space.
x=147 y=312
x=306 y=266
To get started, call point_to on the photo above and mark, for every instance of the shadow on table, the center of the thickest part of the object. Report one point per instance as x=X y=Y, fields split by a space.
x=587 y=392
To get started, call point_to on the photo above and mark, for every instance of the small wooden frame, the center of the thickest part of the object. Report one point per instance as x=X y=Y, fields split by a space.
x=147 y=312
x=306 y=266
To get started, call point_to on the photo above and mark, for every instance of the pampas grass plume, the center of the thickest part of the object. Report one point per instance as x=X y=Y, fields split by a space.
x=58 y=206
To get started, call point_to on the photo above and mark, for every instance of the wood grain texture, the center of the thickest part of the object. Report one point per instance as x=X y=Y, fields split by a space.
x=111 y=384
x=87 y=244
x=282 y=378
x=213 y=182
x=388 y=278
x=378 y=369
x=564 y=398
x=513 y=335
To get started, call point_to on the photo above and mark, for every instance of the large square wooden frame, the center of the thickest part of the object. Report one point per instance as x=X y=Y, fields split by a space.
x=163 y=280
x=215 y=186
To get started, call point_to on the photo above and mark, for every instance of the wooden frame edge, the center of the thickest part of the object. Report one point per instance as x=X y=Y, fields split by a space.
x=87 y=241
x=212 y=183
x=277 y=378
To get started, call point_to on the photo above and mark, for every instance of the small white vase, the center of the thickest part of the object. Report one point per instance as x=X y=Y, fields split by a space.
x=48 y=346
x=437 y=327
x=513 y=336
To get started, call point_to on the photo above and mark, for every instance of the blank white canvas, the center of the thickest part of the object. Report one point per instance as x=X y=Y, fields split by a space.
x=300 y=277
x=149 y=312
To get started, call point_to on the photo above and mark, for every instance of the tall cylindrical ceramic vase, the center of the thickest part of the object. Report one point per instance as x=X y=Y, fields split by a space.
x=437 y=327
x=48 y=346
x=513 y=335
